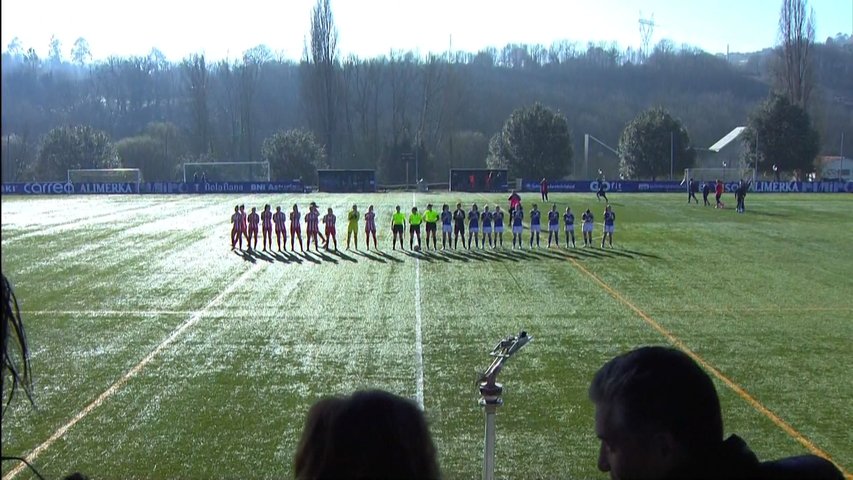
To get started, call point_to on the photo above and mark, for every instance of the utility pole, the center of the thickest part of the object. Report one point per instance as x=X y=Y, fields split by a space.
x=671 y=154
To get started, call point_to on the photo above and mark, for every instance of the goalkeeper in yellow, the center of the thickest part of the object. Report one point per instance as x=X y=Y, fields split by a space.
x=352 y=225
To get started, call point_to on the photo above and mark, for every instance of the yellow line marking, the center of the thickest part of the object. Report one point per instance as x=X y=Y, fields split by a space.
x=60 y=432
x=785 y=426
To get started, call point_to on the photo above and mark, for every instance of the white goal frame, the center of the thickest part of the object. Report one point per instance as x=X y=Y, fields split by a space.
x=137 y=178
x=266 y=165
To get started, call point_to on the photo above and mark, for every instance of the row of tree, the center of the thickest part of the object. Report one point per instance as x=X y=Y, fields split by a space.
x=456 y=110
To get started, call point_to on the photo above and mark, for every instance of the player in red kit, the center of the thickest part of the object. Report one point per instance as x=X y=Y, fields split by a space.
x=312 y=222
x=331 y=233
x=370 y=227
x=254 y=220
x=295 y=228
x=235 y=226
x=280 y=219
x=266 y=226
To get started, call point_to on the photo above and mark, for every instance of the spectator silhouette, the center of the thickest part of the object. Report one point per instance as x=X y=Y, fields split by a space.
x=658 y=417
x=368 y=435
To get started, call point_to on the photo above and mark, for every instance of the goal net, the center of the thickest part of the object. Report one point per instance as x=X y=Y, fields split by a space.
x=105 y=175
x=727 y=175
x=227 y=172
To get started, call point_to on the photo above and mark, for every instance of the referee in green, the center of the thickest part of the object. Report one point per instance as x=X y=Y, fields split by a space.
x=398 y=222
x=431 y=220
x=415 y=220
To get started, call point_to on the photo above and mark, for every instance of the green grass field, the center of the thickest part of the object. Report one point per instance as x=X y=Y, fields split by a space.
x=216 y=356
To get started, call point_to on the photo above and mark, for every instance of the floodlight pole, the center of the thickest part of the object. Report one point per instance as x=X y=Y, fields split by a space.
x=490 y=395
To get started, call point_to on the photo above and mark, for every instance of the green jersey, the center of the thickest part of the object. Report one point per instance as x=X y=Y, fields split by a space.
x=415 y=219
x=398 y=219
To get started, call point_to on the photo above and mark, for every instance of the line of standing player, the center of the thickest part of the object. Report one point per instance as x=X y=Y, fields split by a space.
x=482 y=227
x=246 y=226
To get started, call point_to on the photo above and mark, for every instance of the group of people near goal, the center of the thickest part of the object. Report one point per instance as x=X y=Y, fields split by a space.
x=480 y=226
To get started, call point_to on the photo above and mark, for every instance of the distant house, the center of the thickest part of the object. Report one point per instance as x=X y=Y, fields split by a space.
x=834 y=168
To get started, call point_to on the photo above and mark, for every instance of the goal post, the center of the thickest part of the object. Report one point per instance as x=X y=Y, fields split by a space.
x=105 y=175
x=227 y=171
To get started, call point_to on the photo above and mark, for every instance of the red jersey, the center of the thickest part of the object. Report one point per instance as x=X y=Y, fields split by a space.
x=543 y=186
x=312 y=221
x=254 y=218
x=329 y=219
x=241 y=220
x=370 y=222
x=279 y=218
x=294 y=222
x=266 y=217
x=719 y=189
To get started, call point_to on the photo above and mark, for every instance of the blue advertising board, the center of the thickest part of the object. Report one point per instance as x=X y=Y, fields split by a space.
x=67 y=188
x=630 y=186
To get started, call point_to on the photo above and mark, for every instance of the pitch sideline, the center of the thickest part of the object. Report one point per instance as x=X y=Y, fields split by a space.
x=106 y=394
x=740 y=391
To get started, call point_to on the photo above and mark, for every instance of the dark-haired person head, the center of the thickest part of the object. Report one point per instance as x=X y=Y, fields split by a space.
x=368 y=435
x=658 y=416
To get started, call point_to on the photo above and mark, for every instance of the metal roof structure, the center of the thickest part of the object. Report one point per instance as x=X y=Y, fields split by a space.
x=721 y=143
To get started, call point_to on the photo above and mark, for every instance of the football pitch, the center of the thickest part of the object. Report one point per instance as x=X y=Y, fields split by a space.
x=158 y=352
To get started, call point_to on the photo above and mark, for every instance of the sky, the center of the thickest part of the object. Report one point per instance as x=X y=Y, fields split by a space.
x=370 y=28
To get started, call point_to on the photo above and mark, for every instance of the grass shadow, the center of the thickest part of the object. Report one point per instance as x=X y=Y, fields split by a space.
x=388 y=256
x=246 y=256
x=344 y=256
x=368 y=256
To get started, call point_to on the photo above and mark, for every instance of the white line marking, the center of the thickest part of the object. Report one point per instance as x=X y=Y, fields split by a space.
x=419 y=345
x=59 y=433
x=117 y=313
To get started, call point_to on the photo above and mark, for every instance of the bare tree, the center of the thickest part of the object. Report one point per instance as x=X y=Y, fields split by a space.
x=795 y=74
x=320 y=83
x=195 y=70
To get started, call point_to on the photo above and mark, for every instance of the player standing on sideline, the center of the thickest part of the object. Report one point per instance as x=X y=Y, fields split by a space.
x=458 y=226
x=692 y=188
x=316 y=209
x=352 y=225
x=254 y=219
x=446 y=228
x=243 y=230
x=415 y=220
x=514 y=202
x=295 y=228
x=587 y=227
x=329 y=220
x=535 y=224
x=609 y=220
x=431 y=220
x=474 y=226
x=266 y=225
x=235 y=227
x=486 y=217
x=312 y=222
x=543 y=189
x=554 y=226
x=280 y=220
x=398 y=223
x=569 y=219
x=498 y=218
x=517 y=225
x=369 y=227
x=718 y=192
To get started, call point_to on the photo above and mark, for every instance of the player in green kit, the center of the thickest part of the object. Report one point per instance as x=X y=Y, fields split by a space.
x=398 y=223
x=415 y=220
x=431 y=220
x=352 y=225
